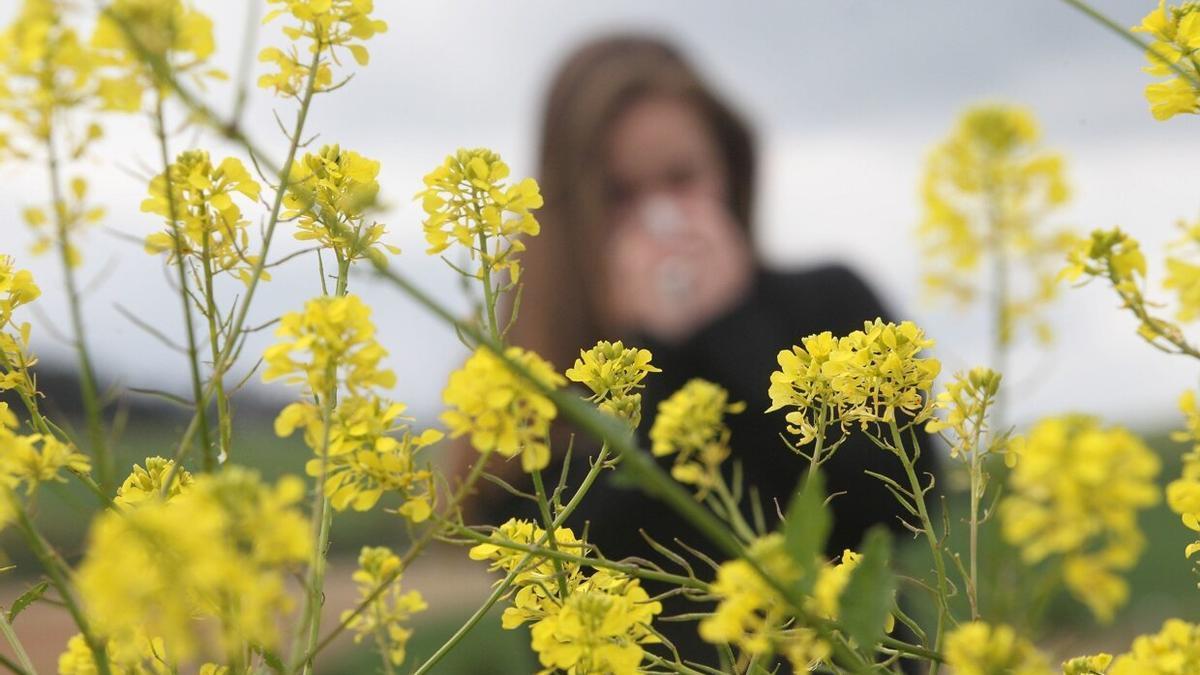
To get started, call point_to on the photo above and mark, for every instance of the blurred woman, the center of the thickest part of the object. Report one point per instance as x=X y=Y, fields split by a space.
x=647 y=236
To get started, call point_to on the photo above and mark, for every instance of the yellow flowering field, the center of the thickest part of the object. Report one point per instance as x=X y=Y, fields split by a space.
x=194 y=562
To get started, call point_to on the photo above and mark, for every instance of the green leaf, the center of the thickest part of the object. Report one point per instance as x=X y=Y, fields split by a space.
x=806 y=528
x=869 y=596
x=26 y=599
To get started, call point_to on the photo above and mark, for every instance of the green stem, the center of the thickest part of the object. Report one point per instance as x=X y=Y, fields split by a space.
x=224 y=419
x=52 y=564
x=89 y=391
x=1132 y=39
x=414 y=550
x=918 y=492
x=180 y=262
x=489 y=298
x=551 y=528
x=310 y=625
x=19 y=649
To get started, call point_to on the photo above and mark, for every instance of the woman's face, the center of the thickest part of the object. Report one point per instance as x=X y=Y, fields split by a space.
x=662 y=146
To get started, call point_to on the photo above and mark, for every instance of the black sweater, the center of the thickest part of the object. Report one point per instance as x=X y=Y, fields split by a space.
x=738 y=351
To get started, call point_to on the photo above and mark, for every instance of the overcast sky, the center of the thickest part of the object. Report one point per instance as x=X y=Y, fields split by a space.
x=846 y=95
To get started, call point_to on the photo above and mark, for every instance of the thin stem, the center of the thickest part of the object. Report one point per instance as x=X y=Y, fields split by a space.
x=224 y=418
x=1132 y=39
x=310 y=625
x=489 y=297
x=413 y=551
x=52 y=564
x=87 y=375
x=15 y=643
x=551 y=528
x=177 y=237
x=918 y=492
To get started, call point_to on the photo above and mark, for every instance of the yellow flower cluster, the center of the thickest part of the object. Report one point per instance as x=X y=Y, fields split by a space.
x=468 y=202
x=691 y=426
x=866 y=377
x=976 y=648
x=211 y=560
x=332 y=341
x=371 y=450
x=1096 y=664
x=73 y=212
x=199 y=206
x=614 y=373
x=500 y=410
x=145 y=483
x=1076 y=493
x=1183 y=493
x=598 y=627
x=33 y=459
x=386 y=617
x=1117 y=258
x=752 y=615
x=1176 y=34
x=328 y=194
x=171 y=32
x=45 y=69
x=964 y=406
x=986 y=191
x=328 y=25
x=369 y=447
x=17 y=288
x=1172 y=651
x=137 y=655
x=1183 y=275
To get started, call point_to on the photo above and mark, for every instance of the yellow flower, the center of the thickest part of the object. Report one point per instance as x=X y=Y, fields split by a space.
x=1088 y=665
x=1076 y=492
x=499 y=409
x=329 y=194
x=1175 y=32
x=800 y=383
x=146 y=483
x=467 y=202
x=385 y=618
x=45 y=71
x=38 y=458
x=211 y=228
x=73 y=212
x=964 y=406
x=977 y=648
x=599 y=629
x=17 y=288
x=751 y=614
x=170 y=31
x=328 y=26
x=865 y=377
x=332 y=341
x=987 y=190
x=1183 y=493
x=690 y=425
x=1172 y=651
x=214 y=556
x=365 y=458
x=613 y=373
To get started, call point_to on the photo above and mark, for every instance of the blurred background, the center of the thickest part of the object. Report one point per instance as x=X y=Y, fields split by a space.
x=846 y=98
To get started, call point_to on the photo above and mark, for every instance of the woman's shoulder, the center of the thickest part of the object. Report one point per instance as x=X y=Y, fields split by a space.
x=833 y=278
x=833 y=293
